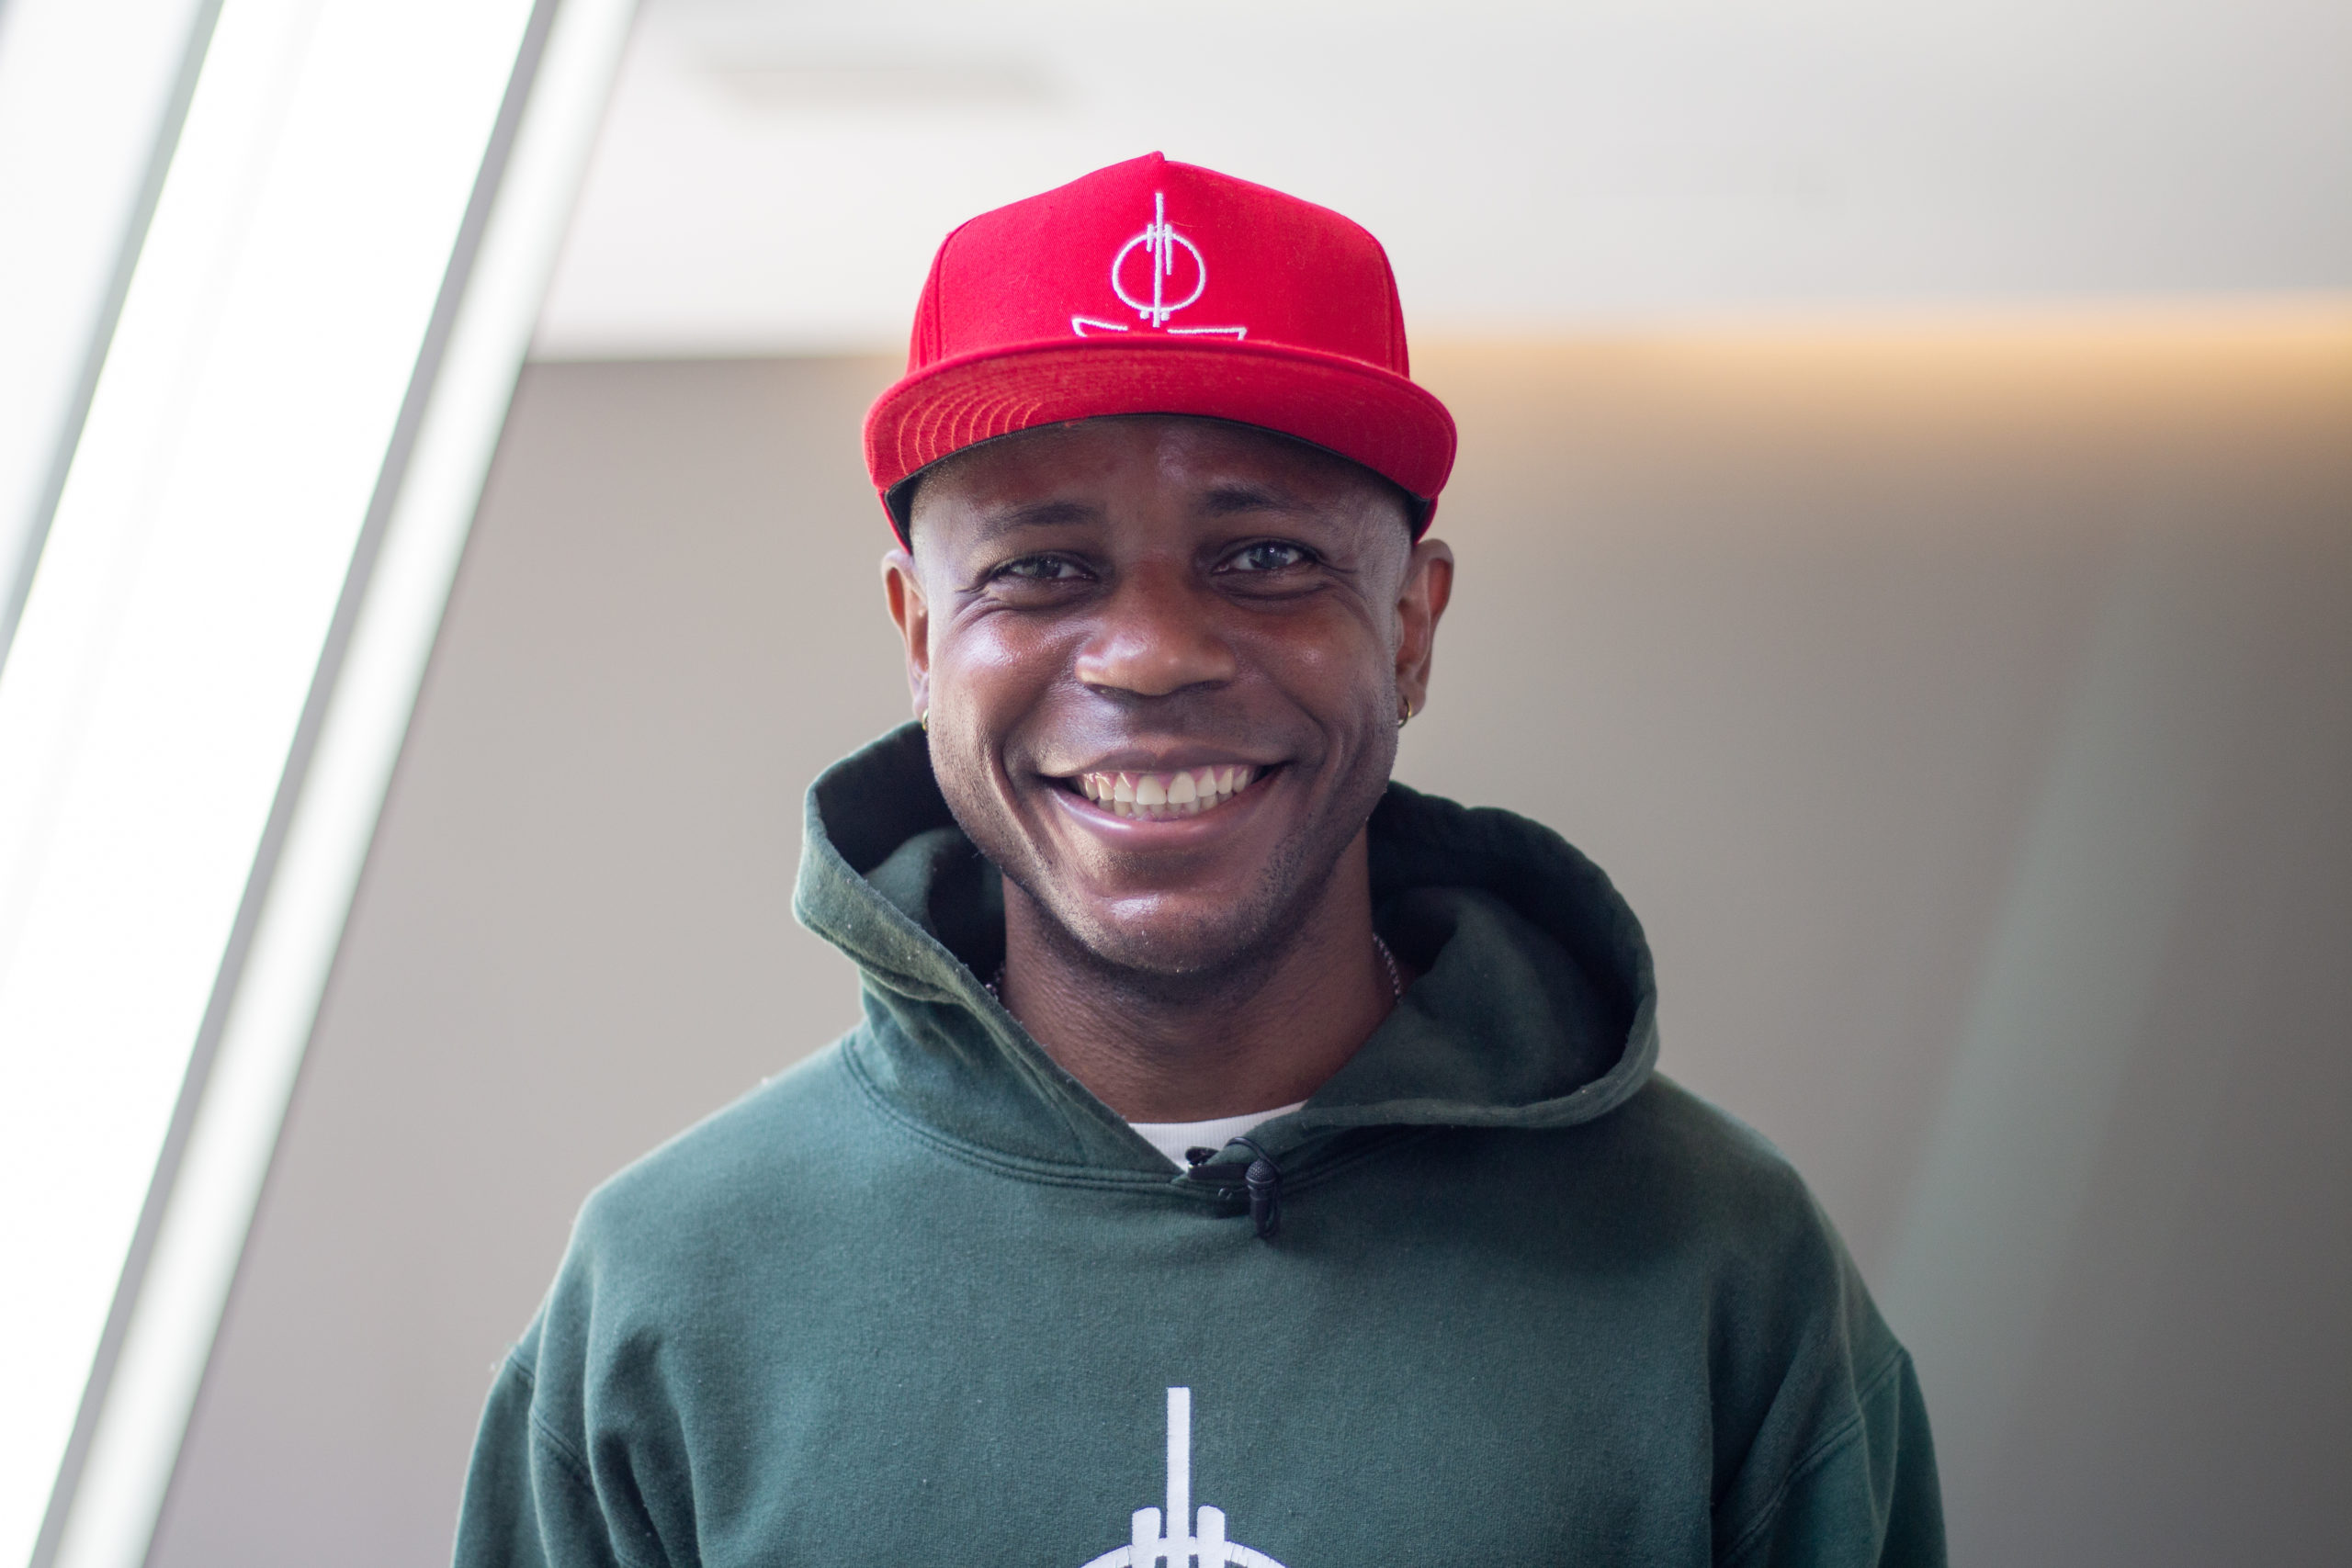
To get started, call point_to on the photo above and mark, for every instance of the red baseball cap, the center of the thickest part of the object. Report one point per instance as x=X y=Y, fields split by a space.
x=1160 y=288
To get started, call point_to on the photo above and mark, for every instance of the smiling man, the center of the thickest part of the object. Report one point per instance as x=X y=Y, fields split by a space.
x=1242 y=1159
x=1163 y=662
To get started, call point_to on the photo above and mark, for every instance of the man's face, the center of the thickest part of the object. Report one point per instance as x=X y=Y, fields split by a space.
x=1164 y=661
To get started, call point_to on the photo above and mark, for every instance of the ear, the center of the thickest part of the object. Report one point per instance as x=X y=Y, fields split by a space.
x=1429 y=584
x=912 y=610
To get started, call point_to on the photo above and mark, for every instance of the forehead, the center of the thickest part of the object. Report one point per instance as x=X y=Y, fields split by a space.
x=1165 y=452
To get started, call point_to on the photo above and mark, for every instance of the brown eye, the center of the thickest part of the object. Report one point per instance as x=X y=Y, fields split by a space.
x=1040 y=569
x=1267 y=555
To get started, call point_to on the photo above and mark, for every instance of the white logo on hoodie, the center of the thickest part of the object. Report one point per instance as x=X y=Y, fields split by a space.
x=1203 y=1544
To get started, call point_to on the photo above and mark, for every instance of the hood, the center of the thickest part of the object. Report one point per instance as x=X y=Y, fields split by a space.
x=1536 y=1007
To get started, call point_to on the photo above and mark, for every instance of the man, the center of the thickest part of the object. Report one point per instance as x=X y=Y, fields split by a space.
x=1242 y=1159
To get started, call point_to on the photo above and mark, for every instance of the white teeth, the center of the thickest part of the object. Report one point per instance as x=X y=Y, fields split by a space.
x=1161 y=795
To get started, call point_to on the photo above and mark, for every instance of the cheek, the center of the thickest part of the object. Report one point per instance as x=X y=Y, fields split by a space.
x=1331 y=664
x=988 y=674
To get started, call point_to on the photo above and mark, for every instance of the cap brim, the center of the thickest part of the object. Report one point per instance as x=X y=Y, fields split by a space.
x=1363 y=412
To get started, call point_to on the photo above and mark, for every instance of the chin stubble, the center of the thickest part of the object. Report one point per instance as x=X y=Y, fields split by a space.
x=1214 y=955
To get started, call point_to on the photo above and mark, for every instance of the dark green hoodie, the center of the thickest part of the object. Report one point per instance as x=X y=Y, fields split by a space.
x=925 y=1299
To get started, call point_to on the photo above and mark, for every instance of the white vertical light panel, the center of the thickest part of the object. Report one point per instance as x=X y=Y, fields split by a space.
x=87 y=89
x=233 y=448
x=242 y=1104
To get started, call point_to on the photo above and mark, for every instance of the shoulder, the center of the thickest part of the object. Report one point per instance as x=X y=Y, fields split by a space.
x=777 y=1175
x=1762 y=1226
x=1671 y=1183
x=655 y=1291
x=1713 y=1157
x=1694 y=1165
x=742 y=1170
x=1792 y=1322
x=660 y=1252
x=1821 y=1438
x=1803 y=1369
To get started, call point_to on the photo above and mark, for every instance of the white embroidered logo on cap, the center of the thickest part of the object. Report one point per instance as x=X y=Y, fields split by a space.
x=1178 y=1539
x=1159 y=243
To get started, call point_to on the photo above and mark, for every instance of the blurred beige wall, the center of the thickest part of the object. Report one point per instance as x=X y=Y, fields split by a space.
x=1968 y=714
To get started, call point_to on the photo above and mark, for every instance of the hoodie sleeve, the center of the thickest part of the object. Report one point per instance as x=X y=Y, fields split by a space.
x=1824 y=1459
x=1864 y=1496
x=529 y=1502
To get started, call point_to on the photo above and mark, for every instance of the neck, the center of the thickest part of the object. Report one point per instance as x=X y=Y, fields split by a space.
x=1264 y=1031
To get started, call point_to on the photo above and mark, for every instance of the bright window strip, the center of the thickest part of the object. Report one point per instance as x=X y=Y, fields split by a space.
x=185 y=1283
x=87 y=91
x=170 y=640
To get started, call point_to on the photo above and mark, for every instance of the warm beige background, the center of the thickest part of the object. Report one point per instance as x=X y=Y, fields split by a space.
x=1969 y=715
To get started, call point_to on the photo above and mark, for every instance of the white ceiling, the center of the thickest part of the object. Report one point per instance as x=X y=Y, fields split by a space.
x=776 y=174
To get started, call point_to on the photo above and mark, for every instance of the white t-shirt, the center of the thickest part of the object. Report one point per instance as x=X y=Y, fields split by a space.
x=1174 y=1139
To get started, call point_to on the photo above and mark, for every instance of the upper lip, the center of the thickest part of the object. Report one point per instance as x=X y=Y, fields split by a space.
x=1169 y=761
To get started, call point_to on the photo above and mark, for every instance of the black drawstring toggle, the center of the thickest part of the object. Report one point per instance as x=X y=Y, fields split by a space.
x=1264 y=1180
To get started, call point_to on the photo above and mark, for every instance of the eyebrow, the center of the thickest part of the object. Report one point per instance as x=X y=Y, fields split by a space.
x=1034 y=515
x=1229 y=499
x=1225 y=500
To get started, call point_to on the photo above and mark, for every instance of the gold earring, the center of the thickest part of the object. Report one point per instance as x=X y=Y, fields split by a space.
x=923 y=718
x=1408 y=714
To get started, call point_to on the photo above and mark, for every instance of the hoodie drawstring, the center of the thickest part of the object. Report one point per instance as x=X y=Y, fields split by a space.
x=1264 y=1180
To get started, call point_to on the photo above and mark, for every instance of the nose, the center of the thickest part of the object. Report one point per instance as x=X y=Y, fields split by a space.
x=1155 y=636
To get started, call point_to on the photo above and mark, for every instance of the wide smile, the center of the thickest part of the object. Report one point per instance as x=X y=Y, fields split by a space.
x=1167 y=796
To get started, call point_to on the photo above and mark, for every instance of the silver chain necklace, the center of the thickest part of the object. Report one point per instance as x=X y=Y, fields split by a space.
x=1388 y=962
